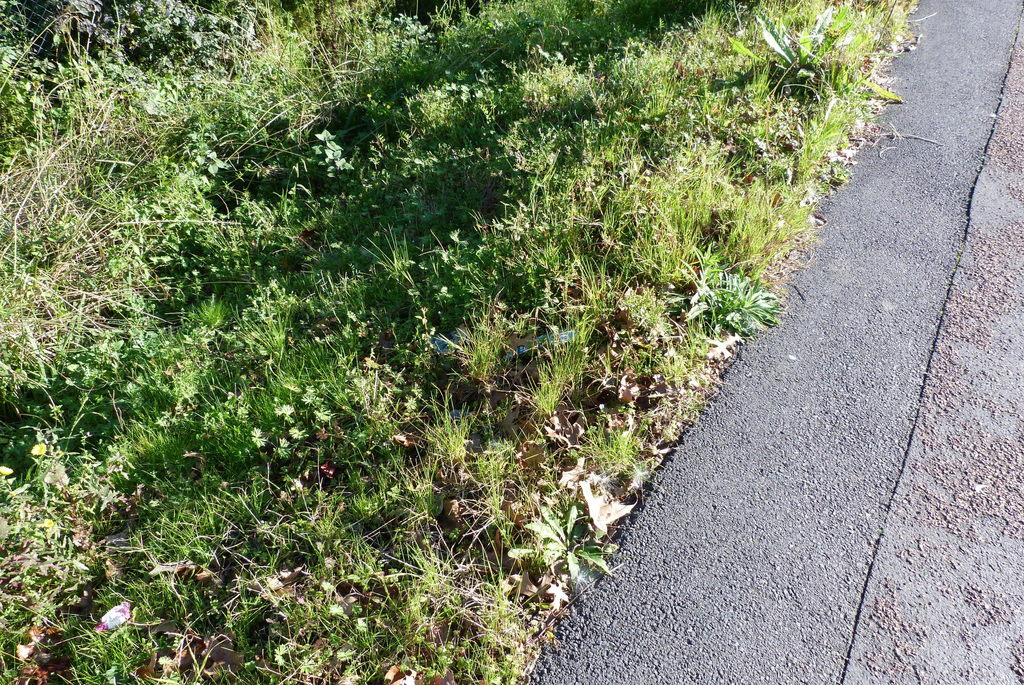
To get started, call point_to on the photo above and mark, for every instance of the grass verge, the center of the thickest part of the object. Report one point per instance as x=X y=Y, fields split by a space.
x=336 y=336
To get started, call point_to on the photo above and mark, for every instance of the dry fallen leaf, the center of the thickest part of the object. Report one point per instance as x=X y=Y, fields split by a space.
x=320 y=477
x=118 y=540
x=571 y=478
x=602 y=511
x=220 y=656
x=55 y=670
x=447 y=679
x=451 y=513
x=396 y=675
x=559 y=597
x=175 y=567
x=147 y=671
x=560 y=428
x=407 y=440
x=187 y=569
x=159 y=627
x=43 y=635
x=282 y=583
x=511 y=421
x=659 y=387
x=43 y=665
x=621 y=421
x=522 y=584
x=212 y=656
x=530 y=454
x=629 y=390
x=346 y=606
x=720 y=350
x=514 y=511
x=83 y=604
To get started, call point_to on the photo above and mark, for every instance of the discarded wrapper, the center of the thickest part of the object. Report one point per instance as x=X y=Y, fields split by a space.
x=443 y=344
x=557 y=338
x=116 y=617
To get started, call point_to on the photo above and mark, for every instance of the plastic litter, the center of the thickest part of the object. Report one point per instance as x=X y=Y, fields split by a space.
x=116 y=617
x=550 y=338
x=445 y=343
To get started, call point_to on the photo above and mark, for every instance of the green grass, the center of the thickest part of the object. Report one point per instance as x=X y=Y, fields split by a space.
x=319 y=303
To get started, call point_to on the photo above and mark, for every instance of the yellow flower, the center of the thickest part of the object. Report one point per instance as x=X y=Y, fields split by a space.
x=48 y=524
x=38 y=450
x=6 y=471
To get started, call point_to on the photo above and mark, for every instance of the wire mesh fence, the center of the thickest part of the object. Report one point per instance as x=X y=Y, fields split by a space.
x=36 y=21
x=32 y=17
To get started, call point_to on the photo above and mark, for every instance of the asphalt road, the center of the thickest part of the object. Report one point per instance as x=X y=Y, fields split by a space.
x=945 y=602
x=759 y=556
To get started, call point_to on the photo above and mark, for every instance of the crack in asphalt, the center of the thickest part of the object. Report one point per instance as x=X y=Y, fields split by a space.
x=940 y=604
x=939 y=327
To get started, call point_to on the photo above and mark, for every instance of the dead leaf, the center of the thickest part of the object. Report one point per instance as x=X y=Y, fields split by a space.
x=396 y=675
x=42 y=666
x=621 y=421
x=83 y=604
x=658 y=388
x=212 y=656
x=559 y=597
x=513 y=510
x=562 y=429
x=347 y=605
x=602 y=511
x=118 y=540
x=147 y=671
x=281 y=584
x=629 y=390
x=184 y=660
x=530 y=454
x=451 y=513
x=56 y=670
x=185 y=570
x=511 y=421
x=571 y=478
x=39 y=639
x=113 y=570
x=320 y=476
x=438 y=634
x=522 y=584
x=220 y=656
x=159 y=627
x=178 y=568
x=407 y=440
x=720 y=350
x=447 y=679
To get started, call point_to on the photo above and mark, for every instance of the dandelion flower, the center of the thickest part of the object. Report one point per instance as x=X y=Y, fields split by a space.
x=6 y=471
x=38 y=450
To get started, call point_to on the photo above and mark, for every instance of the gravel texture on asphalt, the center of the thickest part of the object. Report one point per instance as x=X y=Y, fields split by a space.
x=945 y=602
x=749 y=561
